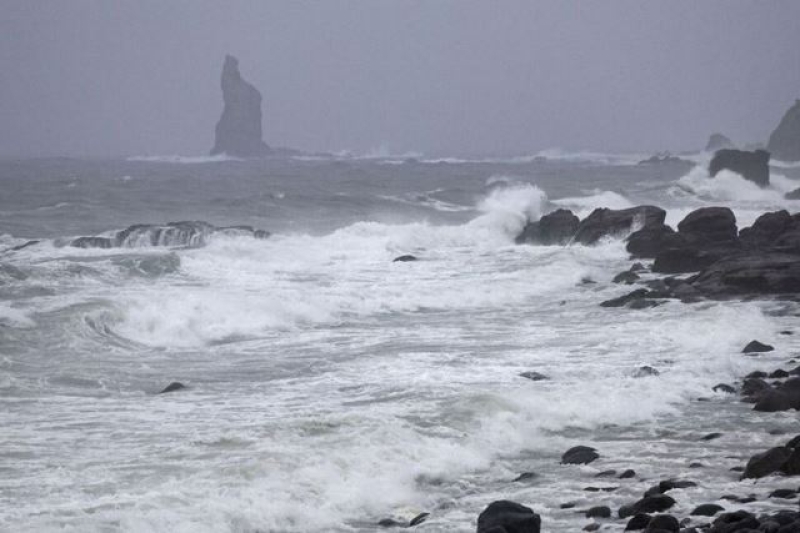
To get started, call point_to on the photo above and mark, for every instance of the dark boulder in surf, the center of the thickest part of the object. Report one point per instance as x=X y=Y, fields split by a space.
x=173 y=387
x=752 y=166
x=557 y=227
x=508 y=517
x=603 y=222
x=579 y=455
x=650 y=240
x=404 y=259
x=709 y=226
x=757 y=347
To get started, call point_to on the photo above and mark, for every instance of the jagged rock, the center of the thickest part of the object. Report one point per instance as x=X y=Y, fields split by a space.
x=784 y=143
x=604 y=222
x=417 y=520
x=508 y=517
x=238 y=132
x=557 y=227
x=757 y=347
x=750 y=273
x=718 y=141
x=192 y=233
x=752 y=166
x=724 y=387
x=579 y=455
x=650 y=240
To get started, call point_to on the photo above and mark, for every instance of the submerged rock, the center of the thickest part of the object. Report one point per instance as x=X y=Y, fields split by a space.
x=579 y=455
x=752 y=166
x=508 y=517
x=784 y=142
x=238 y=132
x=404 y=259
x=172 y=387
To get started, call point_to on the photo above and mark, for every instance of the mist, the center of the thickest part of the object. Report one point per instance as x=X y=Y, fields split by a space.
x=97 y=78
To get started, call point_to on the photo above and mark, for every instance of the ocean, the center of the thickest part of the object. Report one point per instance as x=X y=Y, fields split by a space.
x=328 y=387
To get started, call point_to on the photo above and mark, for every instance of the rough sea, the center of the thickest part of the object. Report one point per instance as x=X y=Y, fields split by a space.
x=328 y=387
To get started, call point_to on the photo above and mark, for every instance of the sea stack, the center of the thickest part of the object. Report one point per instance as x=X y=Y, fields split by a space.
x=238 y=132
x=752 y=166
x=784 y=143
x=718 y=141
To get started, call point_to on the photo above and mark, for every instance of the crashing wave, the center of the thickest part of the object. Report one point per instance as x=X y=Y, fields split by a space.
x=186 y=233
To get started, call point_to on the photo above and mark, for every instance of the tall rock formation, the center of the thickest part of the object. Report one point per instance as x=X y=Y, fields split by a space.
x=718 y=141
x=752 y=166
x=238 y=132
x=784 y=143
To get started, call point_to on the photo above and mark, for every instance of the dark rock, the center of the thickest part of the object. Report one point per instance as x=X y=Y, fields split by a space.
x=718 y=141
x=626 y=277
x=533 y=376
x=606 y=473
x=579 y=455
x=753 y=389
x=526 y=476
x=752 y=166
x=603 y=222
x=707 y=509
x=172 y=387
x=663 y=522
x=758 y=374
x=686 y=259
x=649 y=241
x=568 y=505
x=627 y=474
x=709 y=226
x=635 y=300
x=772 y=402
x=696 y=465
x=794 y=443
x=711 y=436
x=785 y=494
x=757 y=347
x=793 y=195
x=784 y=142
x=508 y=517
x=649 y=504
x=404 y=259
x=24 y=245
x=557 y=227
x=390 y=522
x=779 y=374
x=417 y=520
x=791 y=467
x=736 y=521
x=763 y=464
x=601 y=511
x=750 y=273
x=723 y=387
x=637 y=267
x=591 y=527
x=767 y=229
x=238 y=132
x=646 y=371
x=638 y=521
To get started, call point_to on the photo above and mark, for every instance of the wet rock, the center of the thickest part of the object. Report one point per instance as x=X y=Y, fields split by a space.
x=627 y=474
x=696 y=465
x=649 y=241
x=711 y=436
x=663 y=523
x=649 y=504
x=752 y=166
x=601 y=511
x=579 y=455
x=637 y=522
x=683 y=260
x=603 y=222
x=417 y=520
x=784 y=494
x=92 y=242
x=752 y=273
x=723 y=387
x=390 y=522
x=794 y=443
x=553 y=228
x=606 y=473
x=784 y=142
x=533 y=376
x=779 y=374
x=772 y=402
x=172 y=387
x=626 y=277
x=769 y=462
x=591 y=527
x=508 y=517
x=404 y=259
x=753 y=389
x=757 y=374
x=736 y=521
x=757 y=347
x=628 y=299
x=645 y=371
x=709 y=226
x=707 y=509
x=568 y=505
x=526 y=476
x=767 y=229
x=24 y=245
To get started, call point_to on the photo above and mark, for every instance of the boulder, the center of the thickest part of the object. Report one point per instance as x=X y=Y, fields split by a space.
x=757 y=347
x=784 y=143
x=650 y=240
x=767 y=229
x=238 y=132
x=637 y=522
x=663 y=523
x=579 y=455
x=557 y=227
x=750 y=274
x=718 y=141
x=709 y=226
x=685 y=259
x=649 y=504
x=601 y=511
x=603 y=222
x=766 y=463
x=752 y=166
x=505 y=516
x=707 y=509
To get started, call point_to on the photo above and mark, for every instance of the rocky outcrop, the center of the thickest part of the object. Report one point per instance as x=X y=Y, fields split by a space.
x=718 y=141
x=603 y=222
x=186 y=233
x=557 y=227
x=508 y=517
x=784 y=143
x=752 y=166
x=238 y=132
x=751 y=273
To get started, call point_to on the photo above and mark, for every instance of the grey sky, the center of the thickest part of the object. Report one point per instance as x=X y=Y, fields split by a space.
x=447 y=77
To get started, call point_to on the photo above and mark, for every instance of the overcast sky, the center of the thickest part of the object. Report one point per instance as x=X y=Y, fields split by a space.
x=439 y=77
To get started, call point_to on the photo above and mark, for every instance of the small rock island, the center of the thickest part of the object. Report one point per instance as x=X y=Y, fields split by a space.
x=784 y=143
x=238 y=132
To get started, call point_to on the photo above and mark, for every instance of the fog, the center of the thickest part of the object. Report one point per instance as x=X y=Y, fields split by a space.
x=100 y=78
